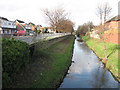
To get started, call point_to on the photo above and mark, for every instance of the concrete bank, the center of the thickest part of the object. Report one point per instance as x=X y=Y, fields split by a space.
x=48 y=66
x=46 y=43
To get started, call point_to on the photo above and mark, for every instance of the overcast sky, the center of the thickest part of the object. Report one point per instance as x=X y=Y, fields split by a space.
x=81 y=11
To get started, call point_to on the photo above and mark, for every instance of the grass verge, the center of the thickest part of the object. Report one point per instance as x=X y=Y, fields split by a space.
x=112 y=52
x=59 y=56
x=48 y=65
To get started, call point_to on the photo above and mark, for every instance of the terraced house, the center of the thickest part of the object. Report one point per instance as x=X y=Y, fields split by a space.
x=21 y=25
x=7 y=28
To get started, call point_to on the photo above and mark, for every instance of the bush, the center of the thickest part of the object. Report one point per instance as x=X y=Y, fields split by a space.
x=15 y=56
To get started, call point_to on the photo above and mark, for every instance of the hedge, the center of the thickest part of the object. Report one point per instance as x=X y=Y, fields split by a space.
x=15 y=56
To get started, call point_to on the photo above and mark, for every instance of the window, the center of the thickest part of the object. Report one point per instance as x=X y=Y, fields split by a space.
x=1 y=31
x=9 y=23
x=5 y=31
x=9 y=31
x=5 y=23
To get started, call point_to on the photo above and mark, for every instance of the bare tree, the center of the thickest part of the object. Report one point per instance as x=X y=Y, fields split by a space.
x=107 y=11
x=103 y=11
x=55 y=17
x=66 y=26
x=100 y=13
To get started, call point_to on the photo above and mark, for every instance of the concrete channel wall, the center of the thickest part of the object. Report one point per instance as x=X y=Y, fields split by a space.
x=47 y=43
x=33 y=39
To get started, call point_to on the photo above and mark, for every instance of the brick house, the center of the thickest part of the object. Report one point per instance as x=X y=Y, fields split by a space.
x=113 y=23
x=7 y=28
x=21 y=25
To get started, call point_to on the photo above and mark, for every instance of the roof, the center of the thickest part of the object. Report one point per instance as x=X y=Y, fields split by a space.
x=19 y=27
x=39 y=25
x=20 y=21
x=35 y=26
x=4 y=18
x=116 y=18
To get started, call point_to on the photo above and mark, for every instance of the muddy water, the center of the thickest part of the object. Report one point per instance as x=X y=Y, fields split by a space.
x=87 y=71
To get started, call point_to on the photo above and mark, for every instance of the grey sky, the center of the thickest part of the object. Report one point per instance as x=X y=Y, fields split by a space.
x=30 y=10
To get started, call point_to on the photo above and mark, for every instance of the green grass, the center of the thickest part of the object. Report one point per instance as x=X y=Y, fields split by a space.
x=58 y=62
x=112 y=53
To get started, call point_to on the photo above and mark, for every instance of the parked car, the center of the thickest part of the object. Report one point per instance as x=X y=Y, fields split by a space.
x=31 y=33
x=20 y=33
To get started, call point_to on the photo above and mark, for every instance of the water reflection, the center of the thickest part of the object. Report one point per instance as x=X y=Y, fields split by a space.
x=99 y=75
x=87 y=71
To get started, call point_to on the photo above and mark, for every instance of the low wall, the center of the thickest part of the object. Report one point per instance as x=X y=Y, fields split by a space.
x=8 y=36
x=34 y=39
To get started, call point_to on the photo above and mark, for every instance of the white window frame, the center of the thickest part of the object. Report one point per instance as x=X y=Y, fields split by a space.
x=5 y=31
x=9 y=31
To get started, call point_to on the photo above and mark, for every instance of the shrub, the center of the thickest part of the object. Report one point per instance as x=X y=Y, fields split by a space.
x=15 y=56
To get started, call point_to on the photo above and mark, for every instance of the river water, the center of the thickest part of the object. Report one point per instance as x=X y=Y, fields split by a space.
x=87 y=71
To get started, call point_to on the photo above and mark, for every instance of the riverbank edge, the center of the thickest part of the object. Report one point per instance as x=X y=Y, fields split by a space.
x=110 y=70
x=71 y=45
x=50 y=43
x=66 y=72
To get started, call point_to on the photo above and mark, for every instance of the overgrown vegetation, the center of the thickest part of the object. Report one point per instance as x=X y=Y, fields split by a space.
x=47 y=66
x=83 y=29
x=15 y=56
x=112 y=51
x=59 y=60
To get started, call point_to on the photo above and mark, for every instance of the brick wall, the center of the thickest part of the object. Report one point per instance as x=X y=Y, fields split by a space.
x=111 y=25
x=112 y=37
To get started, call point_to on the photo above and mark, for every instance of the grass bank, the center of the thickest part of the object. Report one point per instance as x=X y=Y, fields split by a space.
x=48 y=65
x=112 y=52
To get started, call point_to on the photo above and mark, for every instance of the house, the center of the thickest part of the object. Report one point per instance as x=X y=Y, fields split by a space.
x=39 y=27
x=33 y=28
x=42 y=29
x=32 y=25
x=7 y=28
x=113 y=23
x=28 y=28
x=50 y=30
x=21 y=25
x=94 y=34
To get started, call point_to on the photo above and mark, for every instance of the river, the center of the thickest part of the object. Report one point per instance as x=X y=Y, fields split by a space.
x=87 y=71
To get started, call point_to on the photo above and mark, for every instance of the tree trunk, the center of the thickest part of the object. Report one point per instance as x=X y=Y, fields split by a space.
x=105 y=50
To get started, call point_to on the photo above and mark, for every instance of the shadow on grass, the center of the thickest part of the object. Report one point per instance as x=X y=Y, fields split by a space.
x=85 y=38
x=113 y=50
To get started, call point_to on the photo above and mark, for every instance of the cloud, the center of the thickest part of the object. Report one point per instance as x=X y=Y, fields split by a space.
x=29 y=10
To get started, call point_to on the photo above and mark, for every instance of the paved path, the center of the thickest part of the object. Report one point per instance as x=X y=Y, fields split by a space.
x=32 y=39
